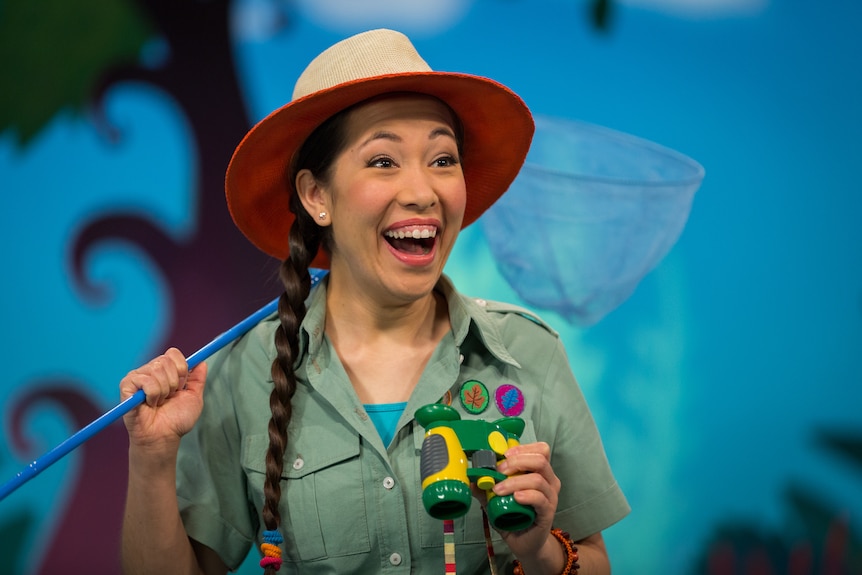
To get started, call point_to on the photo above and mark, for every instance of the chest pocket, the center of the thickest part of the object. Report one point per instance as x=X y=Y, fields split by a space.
x=469 y=528
x=322 y=505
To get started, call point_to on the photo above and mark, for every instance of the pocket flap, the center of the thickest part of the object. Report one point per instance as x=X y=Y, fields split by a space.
x=310 y=450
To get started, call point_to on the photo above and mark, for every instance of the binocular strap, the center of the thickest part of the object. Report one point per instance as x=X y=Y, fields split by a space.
x=449 y=545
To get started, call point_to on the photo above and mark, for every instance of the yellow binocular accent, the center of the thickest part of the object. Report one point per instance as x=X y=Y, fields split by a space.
x=442 y=458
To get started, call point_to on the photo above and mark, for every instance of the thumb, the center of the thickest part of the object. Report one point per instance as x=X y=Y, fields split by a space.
x=197 y=378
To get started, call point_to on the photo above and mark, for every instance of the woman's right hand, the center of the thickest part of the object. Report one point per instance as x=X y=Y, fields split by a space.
x=173 y=405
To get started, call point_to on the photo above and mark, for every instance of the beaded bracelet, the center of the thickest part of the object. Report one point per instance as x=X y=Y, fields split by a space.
x=565 y=540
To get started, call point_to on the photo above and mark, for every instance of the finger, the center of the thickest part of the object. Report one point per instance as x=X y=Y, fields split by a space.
x=544 y=507
x=159 y=379
x=127 y=386
x=180 y=364
x=142 y=379
x=526 y=462
x=539 y=447
x=537 y=498
x=165 y=374
x=153 y=383
x=531 y=489
x=529 y=470
x=526 y=482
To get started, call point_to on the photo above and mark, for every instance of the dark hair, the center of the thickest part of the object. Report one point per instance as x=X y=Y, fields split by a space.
x=317 y=154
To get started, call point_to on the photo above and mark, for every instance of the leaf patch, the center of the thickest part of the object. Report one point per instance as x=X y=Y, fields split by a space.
x=474 y=396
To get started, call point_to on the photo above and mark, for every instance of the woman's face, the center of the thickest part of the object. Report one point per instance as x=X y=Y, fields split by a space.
x=395 y=198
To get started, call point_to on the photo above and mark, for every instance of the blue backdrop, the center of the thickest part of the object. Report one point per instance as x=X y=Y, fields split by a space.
x=727 y=387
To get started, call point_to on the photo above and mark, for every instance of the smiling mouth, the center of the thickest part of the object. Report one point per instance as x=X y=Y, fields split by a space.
x=412 y=240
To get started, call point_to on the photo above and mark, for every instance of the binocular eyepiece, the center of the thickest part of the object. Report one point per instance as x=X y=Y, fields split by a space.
x=456 y=453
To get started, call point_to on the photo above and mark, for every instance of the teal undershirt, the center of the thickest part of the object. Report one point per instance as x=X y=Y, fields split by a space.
x=385 y=417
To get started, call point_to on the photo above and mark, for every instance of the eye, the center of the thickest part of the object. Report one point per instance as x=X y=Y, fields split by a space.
x=381 y=162
x=446 y=161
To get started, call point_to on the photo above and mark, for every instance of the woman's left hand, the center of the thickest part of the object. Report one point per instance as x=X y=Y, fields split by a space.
x=532 y=482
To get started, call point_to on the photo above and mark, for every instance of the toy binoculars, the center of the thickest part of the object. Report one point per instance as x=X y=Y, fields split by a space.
x=446 y=475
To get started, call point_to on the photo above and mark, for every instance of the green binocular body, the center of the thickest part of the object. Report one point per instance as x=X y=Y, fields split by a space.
x=456 y=453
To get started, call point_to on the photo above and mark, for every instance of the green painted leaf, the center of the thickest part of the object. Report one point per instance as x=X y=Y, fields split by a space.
x=53 y=52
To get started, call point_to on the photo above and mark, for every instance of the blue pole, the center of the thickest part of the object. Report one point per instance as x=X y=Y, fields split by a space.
x=86 y=433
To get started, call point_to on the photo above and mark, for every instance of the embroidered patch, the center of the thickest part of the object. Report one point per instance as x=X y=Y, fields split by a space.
x=474 y=396
x=447 y=398
x=510 y=400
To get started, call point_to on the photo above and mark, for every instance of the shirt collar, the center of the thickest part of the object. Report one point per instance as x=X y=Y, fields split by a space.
x=471 y=318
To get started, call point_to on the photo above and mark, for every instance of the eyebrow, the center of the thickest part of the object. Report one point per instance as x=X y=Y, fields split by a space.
x=393 y=137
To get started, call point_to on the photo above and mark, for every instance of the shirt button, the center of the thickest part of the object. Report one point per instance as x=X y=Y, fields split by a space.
x=481 y=302
x=460 y=359
x=298 y=463
x=395 y=559
x=388 y=483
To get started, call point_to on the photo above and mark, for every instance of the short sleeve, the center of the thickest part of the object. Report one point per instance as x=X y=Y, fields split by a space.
x=211 y=484
x=590 y=499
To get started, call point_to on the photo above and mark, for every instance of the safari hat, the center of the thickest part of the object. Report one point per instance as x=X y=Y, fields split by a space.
x=498 y=128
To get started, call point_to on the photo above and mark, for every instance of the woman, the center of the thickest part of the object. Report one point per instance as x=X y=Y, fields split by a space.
x=307 y=444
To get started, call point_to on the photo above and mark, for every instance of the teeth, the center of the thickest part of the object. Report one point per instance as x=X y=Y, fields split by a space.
x=416 y=234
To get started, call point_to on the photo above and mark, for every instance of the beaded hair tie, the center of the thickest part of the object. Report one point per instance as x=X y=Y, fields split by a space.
x=271 y=550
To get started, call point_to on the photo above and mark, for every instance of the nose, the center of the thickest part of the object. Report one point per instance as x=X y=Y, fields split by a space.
x=417 y=190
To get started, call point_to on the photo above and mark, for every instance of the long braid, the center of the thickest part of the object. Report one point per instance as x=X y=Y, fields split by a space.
x=305 y=240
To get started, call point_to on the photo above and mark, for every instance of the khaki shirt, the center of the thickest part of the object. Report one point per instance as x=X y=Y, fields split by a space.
x=351 y=505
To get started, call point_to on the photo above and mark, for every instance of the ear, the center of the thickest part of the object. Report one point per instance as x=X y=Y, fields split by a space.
x=314 y=198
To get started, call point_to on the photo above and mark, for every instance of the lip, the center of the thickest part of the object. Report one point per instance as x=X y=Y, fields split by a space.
x=414 y=260
x=414 y=222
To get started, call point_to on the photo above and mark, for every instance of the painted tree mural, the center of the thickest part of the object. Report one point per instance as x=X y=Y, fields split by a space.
x=69 y=60
x=57 y=57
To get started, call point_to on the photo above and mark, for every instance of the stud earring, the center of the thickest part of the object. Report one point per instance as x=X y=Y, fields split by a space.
x=321 y=216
